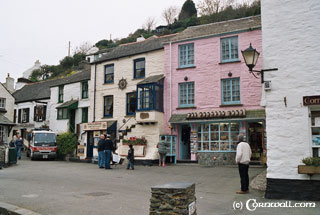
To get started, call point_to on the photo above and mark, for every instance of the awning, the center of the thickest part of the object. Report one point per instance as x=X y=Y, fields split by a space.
x=152 y=79
x=72 y=104
x=250 y=115
x=5 y=121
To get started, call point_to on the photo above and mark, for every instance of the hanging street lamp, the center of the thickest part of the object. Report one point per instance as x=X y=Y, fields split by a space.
x=251 y=56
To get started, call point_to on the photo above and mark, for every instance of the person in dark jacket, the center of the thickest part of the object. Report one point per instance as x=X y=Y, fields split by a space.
x=108 y=149
x=130 y=157
x=101 y=154
x=18 y=143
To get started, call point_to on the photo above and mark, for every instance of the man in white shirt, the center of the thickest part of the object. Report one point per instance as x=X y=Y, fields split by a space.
x=243 y=159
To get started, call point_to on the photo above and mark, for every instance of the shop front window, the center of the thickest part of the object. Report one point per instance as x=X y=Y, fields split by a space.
x=218 y=137
x=315 y=128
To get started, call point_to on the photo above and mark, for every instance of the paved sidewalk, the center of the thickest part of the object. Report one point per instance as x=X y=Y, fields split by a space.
x=58 y=188
x=260 y=181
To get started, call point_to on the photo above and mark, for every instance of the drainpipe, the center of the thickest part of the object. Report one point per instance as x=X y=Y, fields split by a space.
x=170 y=81
x=94 y=93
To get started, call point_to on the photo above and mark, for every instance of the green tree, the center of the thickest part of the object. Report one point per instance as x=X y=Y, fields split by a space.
x=78 y=57
x=42 y=73
x=66 y=144
x=104 y=44
x=67 y=62
x=188 y=10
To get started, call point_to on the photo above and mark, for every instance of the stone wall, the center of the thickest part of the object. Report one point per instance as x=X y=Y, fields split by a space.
x=222 y=158
x=172 y=199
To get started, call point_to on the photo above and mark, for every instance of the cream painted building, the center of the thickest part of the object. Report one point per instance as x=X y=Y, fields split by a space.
x=126 y=98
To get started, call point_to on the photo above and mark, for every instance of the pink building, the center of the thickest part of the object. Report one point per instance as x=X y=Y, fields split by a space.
x=209 y=95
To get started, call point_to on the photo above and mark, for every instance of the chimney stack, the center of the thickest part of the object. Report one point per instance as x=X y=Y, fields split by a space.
x=10 y=83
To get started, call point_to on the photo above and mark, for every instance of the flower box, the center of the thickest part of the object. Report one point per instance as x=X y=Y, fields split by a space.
x=135 y=141
x=303 y=169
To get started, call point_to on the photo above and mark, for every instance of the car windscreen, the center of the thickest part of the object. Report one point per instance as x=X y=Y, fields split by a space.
x=41 y=139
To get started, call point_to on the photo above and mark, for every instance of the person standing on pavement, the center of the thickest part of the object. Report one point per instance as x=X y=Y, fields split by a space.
x=101 y=154
x=162 y=149
x=108 y=149
x=18 y=143
x=243 y=156
x=130 y=157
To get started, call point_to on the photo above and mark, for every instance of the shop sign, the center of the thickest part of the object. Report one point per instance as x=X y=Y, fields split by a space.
x=80 y=150
x=217 y=114
x=193 y=142
x=311 y=100
x=192 y=208
x=94 y=126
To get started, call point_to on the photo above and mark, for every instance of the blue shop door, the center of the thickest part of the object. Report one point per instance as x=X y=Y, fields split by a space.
x=184 y=145
x=90 y=144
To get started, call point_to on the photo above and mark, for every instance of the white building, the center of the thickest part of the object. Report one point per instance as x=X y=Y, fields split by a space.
x=6 y=114
x=31 y=106
x=115 y=105
x=69 y=102
x=290 y=33
x=29 y=71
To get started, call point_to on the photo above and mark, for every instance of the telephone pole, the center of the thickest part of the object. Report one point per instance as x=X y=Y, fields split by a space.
x=69 y=49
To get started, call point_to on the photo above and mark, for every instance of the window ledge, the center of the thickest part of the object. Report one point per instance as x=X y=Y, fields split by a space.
x=228 y=105
x=134 y=79
x=187 y=67
x=235 y=61
x=2 y=110
x=190 y=107
x=106 y=83
x=133 y=115
x=107 y=117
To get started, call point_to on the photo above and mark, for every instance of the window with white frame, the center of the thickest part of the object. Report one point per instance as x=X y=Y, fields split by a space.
x=186 y=55
x=218 y=136
x=230 y=91
x=2 y=103
x=186 y=94
x=229 y=49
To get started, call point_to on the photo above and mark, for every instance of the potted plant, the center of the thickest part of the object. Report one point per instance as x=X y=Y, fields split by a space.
x=312 y=166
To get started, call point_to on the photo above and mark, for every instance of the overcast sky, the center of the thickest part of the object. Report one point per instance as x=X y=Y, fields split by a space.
x=33 y=30
x=41 y=29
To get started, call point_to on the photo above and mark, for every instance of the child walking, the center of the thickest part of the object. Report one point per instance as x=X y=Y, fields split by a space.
x=130 y=157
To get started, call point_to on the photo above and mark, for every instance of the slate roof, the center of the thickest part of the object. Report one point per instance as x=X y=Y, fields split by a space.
x=77 y=77
x=176 y=118
x=151 y=44
x=5 y=121
x=247 y=23
x=41 y=90
x=152 y=79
